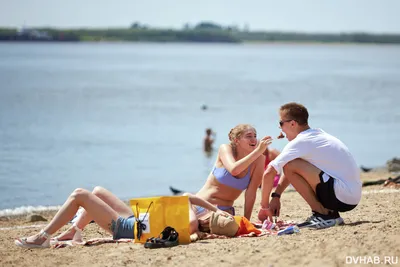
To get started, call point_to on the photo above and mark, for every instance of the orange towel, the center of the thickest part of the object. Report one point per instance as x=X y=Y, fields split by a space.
x=245 y=226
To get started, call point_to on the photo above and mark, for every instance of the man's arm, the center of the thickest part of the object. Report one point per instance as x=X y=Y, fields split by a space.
x=282 y=185
x=293 y=150
x=275 y=203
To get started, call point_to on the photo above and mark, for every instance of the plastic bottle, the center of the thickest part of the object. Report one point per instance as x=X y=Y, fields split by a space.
x=289 y=230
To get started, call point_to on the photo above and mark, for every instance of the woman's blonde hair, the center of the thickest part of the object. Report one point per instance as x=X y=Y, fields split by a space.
x=237 y=131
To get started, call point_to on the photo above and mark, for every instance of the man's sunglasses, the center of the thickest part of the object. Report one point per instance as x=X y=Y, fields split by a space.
x=282 y=122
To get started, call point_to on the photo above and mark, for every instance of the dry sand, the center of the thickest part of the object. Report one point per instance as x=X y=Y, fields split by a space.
x=371 y=230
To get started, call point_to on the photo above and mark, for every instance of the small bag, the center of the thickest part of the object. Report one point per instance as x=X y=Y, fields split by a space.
x=154 y=214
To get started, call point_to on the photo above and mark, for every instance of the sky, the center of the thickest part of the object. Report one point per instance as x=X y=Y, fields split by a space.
x=314 y=16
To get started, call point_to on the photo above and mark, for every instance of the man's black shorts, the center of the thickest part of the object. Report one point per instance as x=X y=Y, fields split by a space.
x=326 y=195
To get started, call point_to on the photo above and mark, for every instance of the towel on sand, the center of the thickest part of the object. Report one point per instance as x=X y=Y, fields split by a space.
x=247 y=229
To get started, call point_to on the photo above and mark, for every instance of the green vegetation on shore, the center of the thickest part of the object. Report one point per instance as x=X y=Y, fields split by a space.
x=202 y=32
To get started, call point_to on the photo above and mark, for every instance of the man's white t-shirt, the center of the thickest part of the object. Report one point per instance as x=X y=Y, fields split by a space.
x=328 y=154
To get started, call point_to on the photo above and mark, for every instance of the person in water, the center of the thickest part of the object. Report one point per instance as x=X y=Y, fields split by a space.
x=107 y=210
x=239 y=166
x=208 y=141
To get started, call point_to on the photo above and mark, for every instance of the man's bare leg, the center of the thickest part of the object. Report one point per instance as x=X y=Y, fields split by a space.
x=305 y=177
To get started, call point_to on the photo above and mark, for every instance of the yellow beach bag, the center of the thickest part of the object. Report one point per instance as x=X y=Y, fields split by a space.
x=153 y=214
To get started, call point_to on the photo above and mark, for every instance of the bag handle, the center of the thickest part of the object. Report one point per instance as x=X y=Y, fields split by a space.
x=140 y=226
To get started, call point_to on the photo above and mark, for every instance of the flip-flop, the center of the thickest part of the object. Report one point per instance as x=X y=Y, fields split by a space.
x=168 y=238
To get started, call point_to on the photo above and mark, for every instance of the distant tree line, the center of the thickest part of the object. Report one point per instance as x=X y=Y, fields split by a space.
x=201 y=32
x=39 y=35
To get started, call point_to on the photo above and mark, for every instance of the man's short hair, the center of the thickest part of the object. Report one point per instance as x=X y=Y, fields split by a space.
x=296 y=112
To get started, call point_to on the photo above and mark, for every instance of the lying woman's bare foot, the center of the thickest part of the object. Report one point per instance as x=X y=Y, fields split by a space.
x=72 y=233
x=66 y=235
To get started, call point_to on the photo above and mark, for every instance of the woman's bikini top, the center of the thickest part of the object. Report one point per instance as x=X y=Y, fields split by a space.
x=224 y=177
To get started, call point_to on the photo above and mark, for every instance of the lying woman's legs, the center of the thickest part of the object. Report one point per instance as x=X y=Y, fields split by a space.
x=110 y=199
x=102 y=213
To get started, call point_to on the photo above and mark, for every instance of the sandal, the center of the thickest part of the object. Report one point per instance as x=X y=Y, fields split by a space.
x=168 y=238
x=22 y=242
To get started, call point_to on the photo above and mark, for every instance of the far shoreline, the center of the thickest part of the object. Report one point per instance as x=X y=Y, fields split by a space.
x=255 y=43
x=201 y=33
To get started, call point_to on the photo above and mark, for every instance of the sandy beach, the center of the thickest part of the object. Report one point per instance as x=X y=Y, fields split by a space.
x=371 y=232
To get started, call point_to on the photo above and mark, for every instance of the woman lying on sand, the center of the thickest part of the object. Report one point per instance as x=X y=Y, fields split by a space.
x=239 y=166
x=108 y=211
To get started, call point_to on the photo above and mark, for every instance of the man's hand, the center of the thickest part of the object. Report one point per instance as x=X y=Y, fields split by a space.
x=264 y=213
x=275 y=206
